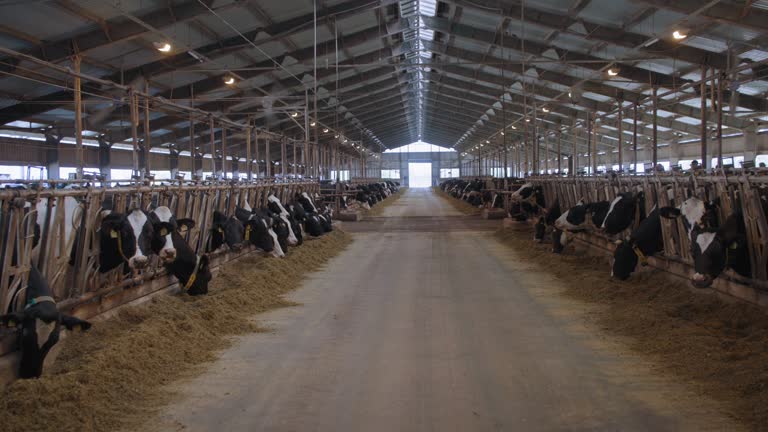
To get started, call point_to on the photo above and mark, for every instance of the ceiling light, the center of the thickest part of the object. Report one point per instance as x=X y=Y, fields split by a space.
x=312 y=124
x=513 y=127
x=163 y=47
x=545 y=109
x=229 y=80
x=325 y=130
x=335 y=136
x=678 y=35
x=502 y=133
x=527 y=120
x=295 y=114
x=570 y=95
x=613 y=71
x=487 y=142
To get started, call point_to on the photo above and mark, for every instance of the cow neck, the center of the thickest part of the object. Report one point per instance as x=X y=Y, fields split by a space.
x=39 y=299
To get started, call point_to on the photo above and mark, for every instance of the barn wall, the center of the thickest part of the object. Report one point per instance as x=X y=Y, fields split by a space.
x=439 y=160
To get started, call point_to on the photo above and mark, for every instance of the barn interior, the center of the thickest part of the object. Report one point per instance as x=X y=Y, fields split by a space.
x=401 y=155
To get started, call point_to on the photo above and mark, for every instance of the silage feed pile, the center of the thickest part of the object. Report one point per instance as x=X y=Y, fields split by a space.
x=378 y=209
x=721 y=348
x=113 y=376
x=460 y=205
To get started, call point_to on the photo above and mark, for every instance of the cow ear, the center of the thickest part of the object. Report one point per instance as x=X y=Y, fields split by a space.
x=73 y=323
x=185 y=224
x=204 y=264
x=669 y=212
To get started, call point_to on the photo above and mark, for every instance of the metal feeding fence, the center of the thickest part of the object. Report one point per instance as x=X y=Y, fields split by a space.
x=67 y=241
x=745 y=193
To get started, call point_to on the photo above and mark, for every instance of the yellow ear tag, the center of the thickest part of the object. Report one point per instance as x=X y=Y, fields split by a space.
x=221 y=230
x=163 y=231
x=248 y=232
x=113 y=234
x=183 y=229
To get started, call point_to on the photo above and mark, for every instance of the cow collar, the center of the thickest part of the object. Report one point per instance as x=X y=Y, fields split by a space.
x=40 y=299
x=116 y=235
x=640 y=255
x=193 y=277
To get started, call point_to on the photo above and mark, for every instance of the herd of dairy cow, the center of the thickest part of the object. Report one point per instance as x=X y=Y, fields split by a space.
x=715 y=244
x=127 y=241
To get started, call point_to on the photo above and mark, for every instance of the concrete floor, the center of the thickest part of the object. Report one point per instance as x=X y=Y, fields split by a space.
x=426 y=329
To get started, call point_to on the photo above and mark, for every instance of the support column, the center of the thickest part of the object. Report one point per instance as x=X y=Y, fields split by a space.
x=703 y=90
x=78 y=118
x=173 y=161
x=105 y=157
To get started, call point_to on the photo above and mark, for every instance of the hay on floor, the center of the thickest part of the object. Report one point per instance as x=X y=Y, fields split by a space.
x=113 y=376
x=460 y=205
x=719 y=347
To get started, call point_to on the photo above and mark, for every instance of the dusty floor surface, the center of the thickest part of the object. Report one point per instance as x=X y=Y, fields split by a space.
x=419 y=328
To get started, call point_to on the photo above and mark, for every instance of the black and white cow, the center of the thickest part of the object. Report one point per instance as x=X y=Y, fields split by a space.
x=546 y=222
x=646 y=240
x=714 y=247
x=277 y=208
x=38 y=325
x=226 y=230
x=124 y=238
x=179 y=259
x=261 y=233
x=575 y=218
x=622 y=212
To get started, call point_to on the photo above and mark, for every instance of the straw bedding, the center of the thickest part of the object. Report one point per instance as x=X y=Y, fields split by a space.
x=113 y=376
x=719 y=347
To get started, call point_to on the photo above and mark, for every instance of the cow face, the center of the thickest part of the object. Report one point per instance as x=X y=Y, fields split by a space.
x=539 y=230
x=125 y=238
x=164 y=226
x=38 y=325
x=624 y=260
x=309 y=205
x=276 y=207
x=226 y=230
x=193 y=273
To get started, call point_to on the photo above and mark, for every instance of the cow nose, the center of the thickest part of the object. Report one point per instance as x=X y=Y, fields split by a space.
x=138 y=262
x=168 y=255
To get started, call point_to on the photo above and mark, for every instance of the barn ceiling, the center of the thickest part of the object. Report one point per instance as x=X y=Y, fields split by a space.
x=455 y=73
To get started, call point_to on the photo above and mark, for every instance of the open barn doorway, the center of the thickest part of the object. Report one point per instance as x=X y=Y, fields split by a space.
x=419 y=174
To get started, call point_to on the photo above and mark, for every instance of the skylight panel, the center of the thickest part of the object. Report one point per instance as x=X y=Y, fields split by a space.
x=427 y=7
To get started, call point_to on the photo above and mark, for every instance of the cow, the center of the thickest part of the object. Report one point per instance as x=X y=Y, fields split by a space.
x=277 y=208
x=124 y=238
x=575 y=218
x=644 y=241
x=262 y=229
x=38 y=325
x=714 y=247
x=178 y=258
x=226 y=230
x=546 y=222
x=622 y=211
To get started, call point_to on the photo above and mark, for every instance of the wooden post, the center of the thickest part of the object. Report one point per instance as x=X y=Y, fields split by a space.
x=78 y=118
x=621 y=135
x=134 y=130
x=147 y=133
x=213 y=147
x=590 y=157
x=720 y=77
x=283 y=157
x=256 y=154
x=559 y=154
x=634 y=133
x=223 y=152
x=248 y=159
x=703 y=90
x=267 y=160
x=655 y=127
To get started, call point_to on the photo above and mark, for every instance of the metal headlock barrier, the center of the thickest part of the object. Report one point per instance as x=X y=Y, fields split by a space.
x=70 y=263
x=736 y=192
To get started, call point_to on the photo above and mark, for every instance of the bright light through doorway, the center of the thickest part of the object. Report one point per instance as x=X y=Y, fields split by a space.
x=419 y=175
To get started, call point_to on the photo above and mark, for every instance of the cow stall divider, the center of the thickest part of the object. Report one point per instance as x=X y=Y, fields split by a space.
x=744 y=192
x=67 y=251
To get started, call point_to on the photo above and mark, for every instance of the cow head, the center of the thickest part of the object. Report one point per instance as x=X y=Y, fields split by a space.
x=276 y=207
x=125 y=238
x=625 y=258
x=38 y=325
x=194 y=273
x=539 y=230
x=309 y=206
x=226 y=230
x=713 y=248
x=259 y=230
x=164 y=232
